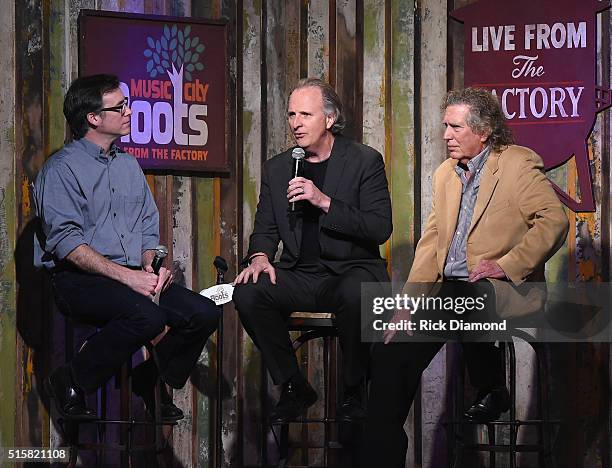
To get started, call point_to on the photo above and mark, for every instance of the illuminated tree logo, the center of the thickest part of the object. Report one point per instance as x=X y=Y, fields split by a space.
x=174 y=50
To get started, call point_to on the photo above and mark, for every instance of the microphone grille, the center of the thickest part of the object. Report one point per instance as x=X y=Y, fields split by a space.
x=161 y=251
x=298 y=153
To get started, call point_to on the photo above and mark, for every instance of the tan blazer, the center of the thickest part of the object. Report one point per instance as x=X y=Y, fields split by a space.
x=518 y=221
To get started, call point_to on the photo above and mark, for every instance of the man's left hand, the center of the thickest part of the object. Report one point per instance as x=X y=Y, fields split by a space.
x=164 y=278
x=486 y=269
x=301 y=188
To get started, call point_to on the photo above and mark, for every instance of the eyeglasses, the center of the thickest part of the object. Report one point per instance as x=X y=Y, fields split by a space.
x=121 y=108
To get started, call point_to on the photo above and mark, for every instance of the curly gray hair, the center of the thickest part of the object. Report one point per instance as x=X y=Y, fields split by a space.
x=485 y=114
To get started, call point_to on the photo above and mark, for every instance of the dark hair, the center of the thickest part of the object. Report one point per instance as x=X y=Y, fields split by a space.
x=332 y=105
x=485 y=114
x=85 y=96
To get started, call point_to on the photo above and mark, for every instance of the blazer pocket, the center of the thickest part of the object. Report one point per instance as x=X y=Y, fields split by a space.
x=498 y=206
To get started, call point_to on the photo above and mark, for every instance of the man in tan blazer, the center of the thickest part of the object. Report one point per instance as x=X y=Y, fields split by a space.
x=494 y=222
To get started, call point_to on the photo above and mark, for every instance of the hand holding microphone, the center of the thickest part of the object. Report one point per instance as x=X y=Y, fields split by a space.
x=304 y=189
x=161 y=252
x=298 y=154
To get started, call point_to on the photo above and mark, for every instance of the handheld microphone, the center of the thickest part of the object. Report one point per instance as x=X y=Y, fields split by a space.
x=161 y=251
x=298 y=154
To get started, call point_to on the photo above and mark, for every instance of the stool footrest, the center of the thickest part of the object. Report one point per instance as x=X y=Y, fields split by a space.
x=307 y=421
x=517 y=422
x=505 y=448
x=331 y=445
x=119 y=447
x=117 y=421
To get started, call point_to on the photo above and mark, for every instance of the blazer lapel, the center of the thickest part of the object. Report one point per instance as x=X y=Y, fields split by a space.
x=488 y=182
x=335 y=167
x=452 y=189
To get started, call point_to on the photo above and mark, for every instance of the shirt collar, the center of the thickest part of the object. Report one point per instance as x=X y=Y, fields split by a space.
x=476 y=163
x=97 y=152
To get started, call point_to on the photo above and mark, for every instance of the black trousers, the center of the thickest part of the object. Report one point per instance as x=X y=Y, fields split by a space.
x=396 y=371
x=264 y=309
x=127 y=320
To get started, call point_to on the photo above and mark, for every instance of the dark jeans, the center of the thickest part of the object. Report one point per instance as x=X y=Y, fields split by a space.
x=127 y=320
x=264 y=309
x=395 y=375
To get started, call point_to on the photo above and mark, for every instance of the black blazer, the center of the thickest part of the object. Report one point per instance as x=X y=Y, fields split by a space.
x=358 y=220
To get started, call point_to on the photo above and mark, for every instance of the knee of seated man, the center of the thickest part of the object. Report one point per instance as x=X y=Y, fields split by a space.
x=148 y=322
x=348 y=296
x=206 y=316
x=246 y=295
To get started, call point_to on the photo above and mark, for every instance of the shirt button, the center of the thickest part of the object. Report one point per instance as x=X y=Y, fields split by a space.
x=113 y=190
x=122 y=236
x=114 y=215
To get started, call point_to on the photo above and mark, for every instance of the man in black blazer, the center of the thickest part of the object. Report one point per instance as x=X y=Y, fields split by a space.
x=330 y=246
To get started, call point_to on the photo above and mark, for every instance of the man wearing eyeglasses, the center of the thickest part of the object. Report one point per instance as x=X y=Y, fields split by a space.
x=99 y=229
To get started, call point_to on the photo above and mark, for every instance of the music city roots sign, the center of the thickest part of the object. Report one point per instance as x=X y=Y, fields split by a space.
x=173 y=71
x=539 y=58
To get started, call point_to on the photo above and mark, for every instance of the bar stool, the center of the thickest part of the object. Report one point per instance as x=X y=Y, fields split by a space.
x=312 y=326
x=126 y=422
x=541 y=422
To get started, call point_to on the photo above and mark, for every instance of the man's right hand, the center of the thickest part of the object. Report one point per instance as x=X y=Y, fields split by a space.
x=259 y=265
x=143 y=282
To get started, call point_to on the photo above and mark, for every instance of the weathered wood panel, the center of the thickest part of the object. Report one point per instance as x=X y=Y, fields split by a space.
x=373 y=127
x=29 y=155
x=230 y=219
x=348 y=65
x=318 y=38
x=254 y=129
x=8 y=230
x=432 y=151
x=401 y=142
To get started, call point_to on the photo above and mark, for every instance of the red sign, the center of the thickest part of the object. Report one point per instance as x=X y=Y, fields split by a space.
x=173 y=70
x=539 y=58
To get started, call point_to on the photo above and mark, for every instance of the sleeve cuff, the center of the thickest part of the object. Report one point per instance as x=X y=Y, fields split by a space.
x=67 y=245
x=149 y=242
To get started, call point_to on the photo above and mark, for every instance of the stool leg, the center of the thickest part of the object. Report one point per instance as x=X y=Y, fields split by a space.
x=126 y=414
x=458 y=452
x=326 y=411
x=72 y=436
x=491 y=439
x=284 y=446
x=545 y=459
x=101 y=427
x=513 y=426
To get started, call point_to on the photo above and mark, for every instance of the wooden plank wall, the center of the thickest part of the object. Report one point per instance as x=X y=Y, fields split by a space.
x=391 y=62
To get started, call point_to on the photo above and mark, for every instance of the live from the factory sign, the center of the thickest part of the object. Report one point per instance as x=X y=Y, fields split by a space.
x=539 y=58
x=173 y=71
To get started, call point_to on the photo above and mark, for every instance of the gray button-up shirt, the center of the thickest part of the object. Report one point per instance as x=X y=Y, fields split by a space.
x=86 y=196
x=456 y=259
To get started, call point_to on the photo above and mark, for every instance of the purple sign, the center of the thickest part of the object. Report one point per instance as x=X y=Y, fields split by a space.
x=539 y=58
x=173 y=70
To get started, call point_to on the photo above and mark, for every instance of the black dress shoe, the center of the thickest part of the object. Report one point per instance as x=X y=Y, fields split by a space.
x=169 y=411
x=69 y=399
x=352 y=408
x=144 y=378
x=489 y=406
x=295 y=399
